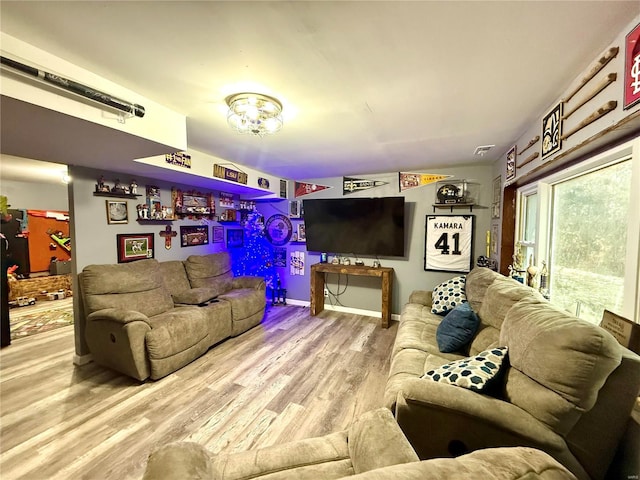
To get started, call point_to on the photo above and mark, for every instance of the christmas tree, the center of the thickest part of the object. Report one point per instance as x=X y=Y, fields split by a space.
x=255 y=257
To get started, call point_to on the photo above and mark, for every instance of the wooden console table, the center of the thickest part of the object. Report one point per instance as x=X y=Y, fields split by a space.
x=317 y=285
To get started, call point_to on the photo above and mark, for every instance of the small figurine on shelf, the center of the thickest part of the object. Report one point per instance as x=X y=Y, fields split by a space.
x=101 y=186
x=544 y=281
x=117 y=187
x=133 y=187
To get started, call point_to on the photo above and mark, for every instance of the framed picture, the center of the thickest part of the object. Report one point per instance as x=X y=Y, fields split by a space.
x=449 y=243
x=192 y=235
x=235 y=237
x=280 y=256
x=218 y=234
x=134 y=246
x=117 y=211
x=511 y=163
x=631 y=65
x=497 y=197
x=552 y=131
x=302 y=236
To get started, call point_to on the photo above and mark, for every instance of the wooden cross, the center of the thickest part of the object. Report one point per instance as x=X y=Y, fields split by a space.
x=168 y=234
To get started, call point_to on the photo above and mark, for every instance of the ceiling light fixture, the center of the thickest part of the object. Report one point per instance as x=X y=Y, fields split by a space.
x=254 y=113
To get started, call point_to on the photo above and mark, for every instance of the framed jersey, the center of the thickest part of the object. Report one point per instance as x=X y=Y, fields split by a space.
x=449 y=243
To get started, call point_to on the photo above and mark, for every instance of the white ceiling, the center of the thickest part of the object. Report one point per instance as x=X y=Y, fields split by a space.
x=367 y=86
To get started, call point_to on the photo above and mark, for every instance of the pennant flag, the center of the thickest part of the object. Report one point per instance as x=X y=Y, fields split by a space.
x=411 y=180
x=307 y=188
x=350 y=185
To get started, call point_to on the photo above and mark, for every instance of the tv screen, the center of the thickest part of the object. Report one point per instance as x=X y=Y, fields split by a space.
x=358 y=226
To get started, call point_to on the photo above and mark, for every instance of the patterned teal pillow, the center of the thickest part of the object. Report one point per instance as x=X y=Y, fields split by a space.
x=474 y=373
x=448 y=294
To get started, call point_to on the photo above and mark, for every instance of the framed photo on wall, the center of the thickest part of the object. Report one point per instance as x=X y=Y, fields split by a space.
x=235 y=237
x=117 y=211
x=511 y=163
x=134 y=246
x=218 y=234
x=192 y=235
x=449 y=243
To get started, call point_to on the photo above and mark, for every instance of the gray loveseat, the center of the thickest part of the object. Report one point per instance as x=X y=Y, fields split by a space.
x=372 y=448
x=568 y=387
x=147 y=319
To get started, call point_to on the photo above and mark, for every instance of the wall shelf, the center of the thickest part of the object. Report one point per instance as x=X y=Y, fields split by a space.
x=451 y=206
x=116 y=195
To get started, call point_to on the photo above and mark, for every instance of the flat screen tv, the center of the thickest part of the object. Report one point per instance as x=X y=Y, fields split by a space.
x=358 y=226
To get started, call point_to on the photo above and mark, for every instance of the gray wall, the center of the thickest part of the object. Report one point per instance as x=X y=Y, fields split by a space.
x=363 y=292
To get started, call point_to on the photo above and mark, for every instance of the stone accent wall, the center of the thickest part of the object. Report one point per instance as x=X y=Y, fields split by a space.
x=38 y=286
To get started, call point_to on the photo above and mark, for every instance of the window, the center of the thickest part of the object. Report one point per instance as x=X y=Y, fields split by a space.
x=581 y=223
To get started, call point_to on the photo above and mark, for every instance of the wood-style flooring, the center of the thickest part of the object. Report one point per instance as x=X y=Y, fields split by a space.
x=294 y=376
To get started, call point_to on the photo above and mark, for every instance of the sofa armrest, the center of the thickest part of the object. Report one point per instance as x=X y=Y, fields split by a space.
x=118 y=315
x=179 y=461
x=248 y=281
x=422 y=297
x=442 y=420
x=375 y=441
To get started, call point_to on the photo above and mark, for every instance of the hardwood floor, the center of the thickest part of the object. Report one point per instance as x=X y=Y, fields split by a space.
x=294 y=376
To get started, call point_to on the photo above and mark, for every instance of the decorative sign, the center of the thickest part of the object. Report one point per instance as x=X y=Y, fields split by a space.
x=511 y=163
x=283 y=188
x=412 y=180
x=551 y=131
x=350 y=185
x=229 y=174
x=280 y=256
x=497 y=196
x=278 y=229
x=181 y=159
x=263 y=182
x=449 y=243
x=297 y=263
x=632 y=68
x=625 y=331
x=307 y=188
x=218 y=234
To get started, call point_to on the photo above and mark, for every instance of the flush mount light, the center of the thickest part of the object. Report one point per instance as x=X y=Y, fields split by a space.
x=482 y=150
x=254 y=113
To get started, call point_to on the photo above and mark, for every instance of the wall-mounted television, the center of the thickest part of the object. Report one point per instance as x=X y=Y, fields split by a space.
x=358 y=226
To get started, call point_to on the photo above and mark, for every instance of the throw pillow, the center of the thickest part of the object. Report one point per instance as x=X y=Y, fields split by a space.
x=475 y=373
x=457 y=328
x=448 y=294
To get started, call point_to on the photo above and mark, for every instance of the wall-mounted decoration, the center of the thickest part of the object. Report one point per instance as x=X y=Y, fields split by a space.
x=302 y=188
x=192 y=204
x=455 y=192
x=191 y=235
x=237 y=176
x=218 y=234
x=168 y=233
x=449 y=243
x=226 y=200
x=235 y=237
x=412 y=180
x=263 y=182
x=497 y=196
x=494 y=239
x=529 y=159
x=600 y=64
x=302 y=236
x=117 y=211
x=295 y=208
x=229 y=215
x=134 y=246
x=604 y=83
x=283 y=188
x=278 y=229
x=118 y=189
x=180 y=159
x=296 y=262
x=531 y=143
x=551 y=131
x=632 y=68
x=350 y=185
x=601 y=112
x=280 y=257
x=248 y=205
x=626 y=332
x=510 y=174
